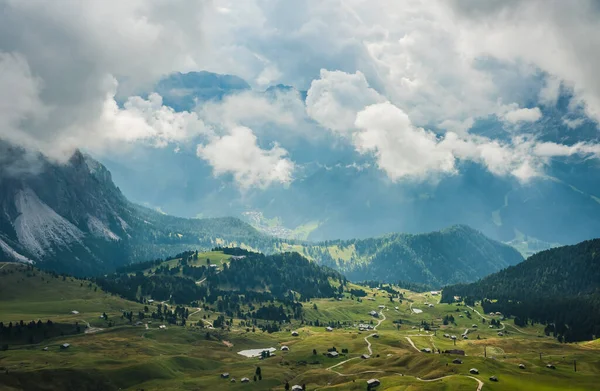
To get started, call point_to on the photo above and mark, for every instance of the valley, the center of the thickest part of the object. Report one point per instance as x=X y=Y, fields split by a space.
x=185 y=349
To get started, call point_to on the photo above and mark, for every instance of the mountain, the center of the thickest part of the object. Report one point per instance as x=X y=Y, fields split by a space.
x=558 y=287
x=182 y=91
x=72 y=218
x=455 y=254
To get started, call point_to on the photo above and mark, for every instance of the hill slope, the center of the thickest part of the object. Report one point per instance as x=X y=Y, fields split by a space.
x=456 y=254
x=560 y=287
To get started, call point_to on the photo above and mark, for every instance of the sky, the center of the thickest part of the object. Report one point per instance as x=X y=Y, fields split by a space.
x=402 y=83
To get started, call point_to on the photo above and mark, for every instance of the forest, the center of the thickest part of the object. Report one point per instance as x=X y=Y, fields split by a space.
x=245 y=287
x=559 y=287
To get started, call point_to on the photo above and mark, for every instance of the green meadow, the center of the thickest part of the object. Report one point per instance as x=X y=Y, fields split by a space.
x=146 y=357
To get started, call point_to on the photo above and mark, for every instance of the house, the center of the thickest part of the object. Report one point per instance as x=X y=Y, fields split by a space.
x=375 y=335
x=285 y=348
x=297 y=388
x=150 y=301
x=498 y=313
x=446 y=335
x=162 y=326
x=456 y=298
x=212 y=265
x=465 y=336
x=328 y=328
x=333 y=354
x=381 y=307
x=396 y=308
x=426 y=350
x=522 y=366
x=372 y=383
x=45 y=349
x=294 y=333
x=365 y=356
x=500 y=333
x=491 y=327
x=75 y=312
x=474 y=325
x=374 y=314
x=457 y=361
x=232 y=380
x=455 y=351
x=434 y=293
x=237 y=257
x=453 y=337
x=493 y=378
x=65 y=346
x=245 y=380
x=224 y=375
x=430 y=305
x=138 y=323
x=474 y=371
x=550 y=366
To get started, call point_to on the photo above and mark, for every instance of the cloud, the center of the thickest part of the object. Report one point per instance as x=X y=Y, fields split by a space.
x=63 y=60
x=238 y=154
x=253 y=108
x=522 y=115
x=401 y=149
x=558 y=38
x=423 y=66
x=336 y=97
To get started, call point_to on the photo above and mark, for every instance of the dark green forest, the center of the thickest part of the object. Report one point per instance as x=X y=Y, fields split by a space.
x=246 y=287
x=558 y=287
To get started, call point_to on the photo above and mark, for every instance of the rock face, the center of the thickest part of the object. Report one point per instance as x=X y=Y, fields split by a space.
x=72 y=218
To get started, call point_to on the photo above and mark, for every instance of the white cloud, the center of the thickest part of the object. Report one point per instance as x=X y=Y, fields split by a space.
x=438 y=64
x=336 y=97
x=522 y=115
x=573 y=123
x=238 y=154
x=401 y=149
x=68 y=57
x=251 y=108
x=557 y=37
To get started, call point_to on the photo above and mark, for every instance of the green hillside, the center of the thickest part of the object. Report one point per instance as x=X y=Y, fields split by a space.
x=456 y=254
x=559 y=287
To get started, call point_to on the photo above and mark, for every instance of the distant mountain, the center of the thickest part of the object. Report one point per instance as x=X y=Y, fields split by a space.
x=558 y=287
x=456 y=254
x=182 y=91
x=72 y=218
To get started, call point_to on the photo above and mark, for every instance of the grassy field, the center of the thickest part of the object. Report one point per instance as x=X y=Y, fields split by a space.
x=129 y=357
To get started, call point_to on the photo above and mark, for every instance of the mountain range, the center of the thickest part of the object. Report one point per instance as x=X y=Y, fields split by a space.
x=72 y=218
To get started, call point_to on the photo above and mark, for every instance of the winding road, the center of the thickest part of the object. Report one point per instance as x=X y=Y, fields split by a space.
x=375 y=329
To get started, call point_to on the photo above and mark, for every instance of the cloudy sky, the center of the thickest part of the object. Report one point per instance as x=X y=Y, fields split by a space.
x=403 y=83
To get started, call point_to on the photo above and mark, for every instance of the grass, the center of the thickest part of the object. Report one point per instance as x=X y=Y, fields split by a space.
x=182 y=358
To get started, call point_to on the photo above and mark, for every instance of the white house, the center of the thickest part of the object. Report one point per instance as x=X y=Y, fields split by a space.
x=328 y=328
x=294 y=333
x=372 y=383
x=285 y=348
